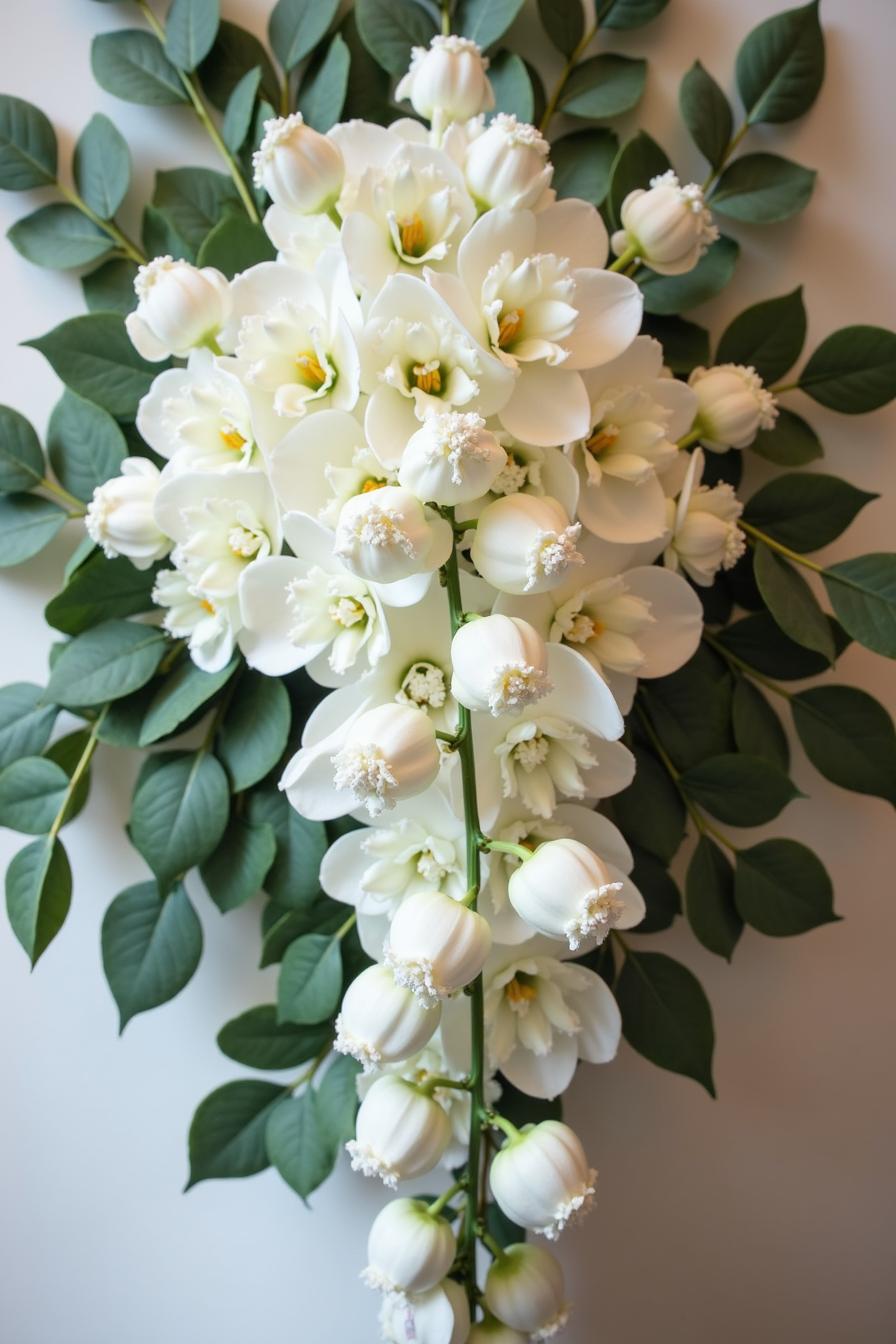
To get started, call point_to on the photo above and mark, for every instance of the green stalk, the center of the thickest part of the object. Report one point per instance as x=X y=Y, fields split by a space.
x=89 y=748
x=571 y=64
x=108 y=226
x=778 y=546
x=729 y=150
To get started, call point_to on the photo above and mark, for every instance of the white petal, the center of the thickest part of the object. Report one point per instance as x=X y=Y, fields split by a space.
x=144 y=341
x=298 y=461
x=610 y=310
x=581 y=694
x=601 y=1020
x=598 y=832
x=370 y=258
x=495 y=232
x=268 y=620
x=310 y=540
x=560 y=480
x=624 y=511
x=404 y=592
x=574 y=229
x=548 y=406
x=260 y=288
x=389 y=422
x=343 y=868
x=544 y=1076
x=614 y=771
x=311 y=790
x=681 y=400
x=674 y=636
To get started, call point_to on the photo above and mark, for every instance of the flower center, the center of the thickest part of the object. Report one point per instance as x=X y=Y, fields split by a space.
x=412 y=233
x=428 y=377
x=310 y=370
x=424 y=686
x=532 y=752
x=232 y=438
x=521 y=990
x=602 y=439
x=582 y=628
x=207 y=606
x=372 y=483
x=243 y=543
x=515 y=685
x=365 y=772
x=553 y=552
x=345 y=611
x=509 y=326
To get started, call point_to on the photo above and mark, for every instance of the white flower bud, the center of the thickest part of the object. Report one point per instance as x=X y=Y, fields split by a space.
x=441 y=1316
x=508 y=165
x=447 y=81
x=409 y=1249
x=500 y=664
x=381 y=1022
x=703 y=523
x=180 y=307
x=120 y=515
x=400 y=1132
x=493 y=1331
x=390 y=752
x=669 y=225
x=452 y=459
x=386 y=535
x=525 y=544
x=525 y=1290
x=733 y=405
x=542 y=1179
x=566 y=891
x=299 y=168
x=436 y=945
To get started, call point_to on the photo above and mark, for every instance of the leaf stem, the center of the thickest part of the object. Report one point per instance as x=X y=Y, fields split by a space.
x=446 y=17
x=501 y=1122
x=740 y=666
x=778 y=546
x=557 y=93
x=108 y=226
x=346 y=927
x=508 y=847
x=307 y=1074
x=89 y=748
x=703 y=826
x=732 y=145
x=625 y=259
x=491 y=1245
x=693 y=437
x=446 y=1196
x=434 y=1081
x=65 y=495
x=784 y=387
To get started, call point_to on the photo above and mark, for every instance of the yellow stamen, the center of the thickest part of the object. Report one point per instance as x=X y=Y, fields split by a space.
x=603 y=438
x=233 y=439
x=509 y=325
x=207 y=606
x=371 y=484
x=520 y=993
x=310 y=370
x=428 y=377
x=413 y=236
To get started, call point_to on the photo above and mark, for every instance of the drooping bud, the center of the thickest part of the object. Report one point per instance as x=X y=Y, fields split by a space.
x=409 y=1249
x=390 y=753
x=120 y=515
x=566 y=891
x=441 y=1316
x=542 y=1181
x=387 y=534
x=451 y=459
x=508 y=165
x=734 y=404
x=525 y=1289
x=381 y=1022
x=447 y=81
x=499 y=665
x=400 y=1132
x=299 y=168
x=436 y=945
x=668 y=226
x=703 y=523
x=525 y=544
x=180 y=307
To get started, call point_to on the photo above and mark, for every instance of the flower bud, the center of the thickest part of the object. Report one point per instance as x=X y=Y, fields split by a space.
x=381 y=1022
x=525 y=544
x=669 y=226
x=441 y=1316
x=447 y=81
x=451 y=459
x=566 y=891
x=436 y=945
x=409 y=1249
x=120 y=515
x=508 y=165
x=385 y=535
x=703 y=523
x=500 y=664
x=541 y=1180
x=493 y=1331
x=299 y=168
x=180 y=307
x=525 y=1290
x=390 y=753
x=400 y=1132
x=733 y=405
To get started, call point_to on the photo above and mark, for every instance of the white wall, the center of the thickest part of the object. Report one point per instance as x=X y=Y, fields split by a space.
x=764 y=1215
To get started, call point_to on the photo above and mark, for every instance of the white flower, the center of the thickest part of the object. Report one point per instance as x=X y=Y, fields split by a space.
x=452 y=459
x=441 y=1316
x=299 y=168
x=179 y=307
x=389 y=753
x=499 y=665
x=387 y=535
x=436 y=945
x=541 y=1179
x=525 y=1289
x=381 y=1022
x=409 y=1249
x=447 y=81
x=209 y=627
x=198 y=418
x=669 y=226
x=400 y=1132
x=604 y=622
x=566 y=891
x=525 y=543
x=733 y=405
x=322 y=462
x=120 y=515
x=508 y=165
x=705 y=535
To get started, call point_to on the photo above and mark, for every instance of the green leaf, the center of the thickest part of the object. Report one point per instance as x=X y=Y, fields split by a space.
x=298 y=1144
x=792 y=602
x=110 y=288
x=691 y=709
x=93 y=356
x=28 y=523
x=757 y=728
x=99 y=590
x=390 y=28
x=628 y=13
x=85 y=445
x=67 y=752
x=780 y=65
x=319 y=916
x=650 y=811
x=324 y=86
x=59 y=237
x=761 y=644
x=337 y=1100
x=763 y=189
x=853 y=371
x=768 y=335
x=102 y=165
x=677 y=293
x=660 y=893
x=310 y=980
x=485 y=20
x=132 y=65
x=685 y=344
x=227 y=1132
x=234 y=54
x=583 y=162
x=792 y=442
x=564 y=23
x=863 y=595
x=151 y=947
x=639 y=159
x=240 y=107
x=849 y=738
x=709 y=894
x=234 y=245
x=369 y=91
x=781 y=888
x=255 y=730
x=237 y=869
x=124 y=718
x=179 y=696
x=512 y=86
x=194 y=199
x=296 y=27
x=190 y=31
x=604 y=86
x=666 y=1016
x=179 y=813
x=805 y=511
x=105 y=663
x=26 y=721
x=706 y=112
x=259 y=1041
x=161 y=238
x=301 y=844
x=21 y=456
x=739 y=789
x=32 y=790
x=28 y=150
x=38 y=894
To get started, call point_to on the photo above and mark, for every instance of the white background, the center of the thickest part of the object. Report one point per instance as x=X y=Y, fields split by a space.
x=764 y=1215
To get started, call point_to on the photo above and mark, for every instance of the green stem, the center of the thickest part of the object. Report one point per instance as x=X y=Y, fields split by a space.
x=65 y=495
x=778 y=546
x=446 y=17
x=784 y=387
x=450 y=739
x=501 y=1122
x=89 y=748
x=307 y=1075
x=740 y=666
x=729 y=150
x=703 y=826
x=693 y=437
x=435 y=1081
x=507 y=847
x=447 y=1195
x=108 y=226
x=630 y=254
x=551 y=106
x=346 y=927
x=491 y=1245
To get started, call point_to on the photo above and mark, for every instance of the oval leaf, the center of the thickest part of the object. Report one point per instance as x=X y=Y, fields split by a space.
x=227 y=1131
x=255 y=730
x=853 y=371
x=757 y=728
x=604 y=86
x=151 y=947
x=738 y=789
x=310 y=980
x=237 y=869
x=781 y=888
x=132 y=65
x=769 y=335
x=180 y=695
x=792 y=602
x=780 y=65
x=709 y=897
x=849 y=738
x=298 y=1144
x=706 y=112
x=32 y=791
x=792 y=442
x=763 y=189
x=677 y=293
x=296 y=27
x=85 y=445
x=21 y=456
x=28 y=150
x=38 y=894
x=28 y=523
x=102 y=166
x=26 y=721
x=105 y=663
x=190 y=30
x=259 y=1041
x=179 y=813
x=93 y=356
x=390 y=28
x=666 y=1016
x=863 y=595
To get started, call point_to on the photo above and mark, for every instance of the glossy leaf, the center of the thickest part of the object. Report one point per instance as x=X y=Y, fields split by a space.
x=194 y=199
x=240 y=108
x=21 y=456
x=792 y=443
x=564 y=23
x=182 y=693
x=32 y=791
x=738 y=789
x=236 y=871
x=678 y=293
x=792 y=602
x=780 y=65
x=93 y=356
x=38 y=894
x=763 y=189
x=151 y=946
x=768 y=335
x=102 y=166
x=28 y=149
x=28 y=523
x=310 y=980
x=99 y=590
x=706 y=112
x=179 y=813
x=691 y=709
x=390 y=28
x=301 y=844
x=709 y=896
x=259 y=1041
x=849 y=738
x=853 y=371
x=255 y=730
x=234 y=245
x=324 y=86
x=296 y=26
x=132 y=65
x=105 y=663
x=781 y=888
x=26 y=721
x=59 y=237
x=604 y=86
x=190 y=31
x=805 y=511
x=628 y=13
x=757 y=728
x=298 y=1144
x=666 y=1016
x=583 y=162
x=759 y=641
x=228 y=1129
x=84 y=444
x=863 y=595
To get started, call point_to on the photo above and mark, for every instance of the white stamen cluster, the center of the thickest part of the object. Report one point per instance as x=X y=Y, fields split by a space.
x=362 y=769
x=521 y=133
x=692 y=197
x=551 y=553
x=599 y=912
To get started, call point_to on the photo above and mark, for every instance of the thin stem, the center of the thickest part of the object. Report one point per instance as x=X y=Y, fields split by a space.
x=729 y=150
x=436 y=1081
x=307 y=1075
x=625 y=259
x=89 y=748
x=446 y=17
x=446 y=1196
x=65 y=495
x=739 y=665
x=551 y=106
x=108 y=226
x=501 y=1122
x=778 y=546
x=450 y=739
x=346 y=927
x=693 y=437
x=507 y=847
x=784 y=387
x=703 y=826
x=491 y=1245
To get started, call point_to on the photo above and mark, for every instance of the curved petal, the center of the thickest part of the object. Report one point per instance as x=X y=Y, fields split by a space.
x=614 y=771
x=191 y=489
x=560 y=480
x=144 y=340
x=610 y=311
x=452 y=290
x=548 y=406
x=403 y=592
x=370 y=258
x=598 y=832
x=544 y=1076
x=389 y=422
x=372 y=933
x=151 y=411
x=363 y=145
x=260 y=288
x=334 y=715
x=632 y=900
x=598 y=1012
x=640 y=362
x=310 y=540
x=538 y=609
x=624 y=511
x=573 y=228
x=267 y=620
x=674 y=636
x=308 y=783
x=297 y=463
x=581 y=693
x=343 y=867
x=494 y=232
x=680 y=400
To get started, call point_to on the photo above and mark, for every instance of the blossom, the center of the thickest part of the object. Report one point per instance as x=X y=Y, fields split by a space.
x=400 y=1132
x=409 y=1249
x=387 y=535
x=703 y=522
x=322 y=462
x=120 y=515
x=524 y=1288
x=299 y=168
x=447 y=81
x=381 y=1022
x=565 y=890
x=525 y=543
x=199 y=418
x=452 y=459
x=499 y=664
x=507 y=165
x=668 y=227
x=440 y=1316
x=541 y=1178
x=733 y=405
x=208 y=627
x=179 y=307
x=436 y=945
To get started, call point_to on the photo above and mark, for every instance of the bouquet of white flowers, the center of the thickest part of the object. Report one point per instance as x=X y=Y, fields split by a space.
x=410 y=528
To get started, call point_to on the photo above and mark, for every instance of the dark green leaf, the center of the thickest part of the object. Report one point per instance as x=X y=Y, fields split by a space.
x=99 y=590
x=780 y=65
x=369 y=94
x=105 y=663
x=583 y=162
x=512 y=86
x=25 y=721
x=666 y=1016
x=190 y=31
x=132 y=65
x=768 y=335
x=792 y=442
x=604 y=86
x=161 y=238
x=848 y=736
x=390 y=28
x=28 y=152
x=240 y=106
x=237 y=869
x=337 y=1100
x=85 y=445
x=628 y=13
x=706 y=112
x=792 y=602
x=739 y=789
x=32 y=791
x=310 y=980
x=59 y=237
x=28 y=523
x=151 y=947
x=179 y=813
x=255 y=730
x=853 y=371
x=805 y=511
x=259 y=1041
x=863 y=595
x=234 y=245
x=660 y=893
x=691 y=709
x=301 y=844
x=677 y=293
x=485 y=20
x=761 y=644
x=227 y=1133
x=110 y=288
x=324 y=86
x=685 y=344
x=102 y=166
x=763 y=189
x=179 y=696
x=93 y=356
x=319 y=916
x=501 y=1228
x=298 y=1144
x=194 y=199
x=781 y=888
x=709 y=895
x=296 y=27
x=21 y=456
x=757 y=728
x=124 y=718
x=564 y=23
x=235 y=52
x=38 y=894
x=650 y=811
